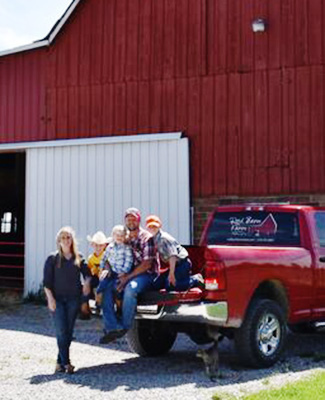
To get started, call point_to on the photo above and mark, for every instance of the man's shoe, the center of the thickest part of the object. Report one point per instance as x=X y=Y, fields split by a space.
x=120 y=333
x=112 y=335
x=108 y=337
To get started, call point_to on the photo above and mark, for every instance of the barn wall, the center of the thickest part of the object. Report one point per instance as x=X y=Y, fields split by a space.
x=252 y=105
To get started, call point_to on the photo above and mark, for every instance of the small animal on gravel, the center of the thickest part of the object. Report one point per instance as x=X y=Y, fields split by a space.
x=210 y=356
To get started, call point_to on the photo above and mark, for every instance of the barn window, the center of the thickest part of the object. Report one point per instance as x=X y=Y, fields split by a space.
x=6 y=222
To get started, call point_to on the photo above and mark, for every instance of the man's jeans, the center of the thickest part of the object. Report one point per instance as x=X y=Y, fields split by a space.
x=64 y=319
x=137 y=285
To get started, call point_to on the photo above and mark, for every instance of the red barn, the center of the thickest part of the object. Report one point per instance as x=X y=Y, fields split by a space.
x=163 y=104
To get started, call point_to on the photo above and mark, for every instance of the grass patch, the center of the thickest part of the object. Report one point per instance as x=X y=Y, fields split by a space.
x=223 y=397
x=306 y=389
x=36 y=297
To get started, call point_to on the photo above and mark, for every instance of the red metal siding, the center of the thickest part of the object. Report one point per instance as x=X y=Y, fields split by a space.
x=251 y=104
x=22 y=97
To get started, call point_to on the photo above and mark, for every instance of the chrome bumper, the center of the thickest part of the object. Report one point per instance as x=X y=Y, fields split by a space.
x=211 y=313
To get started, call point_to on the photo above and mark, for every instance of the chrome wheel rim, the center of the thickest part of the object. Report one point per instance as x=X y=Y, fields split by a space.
x=268 y=334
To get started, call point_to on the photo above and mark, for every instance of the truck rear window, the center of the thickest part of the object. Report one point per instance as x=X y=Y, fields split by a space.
x=254 y=228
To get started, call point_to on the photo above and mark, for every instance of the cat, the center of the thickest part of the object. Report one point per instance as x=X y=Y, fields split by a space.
x=210 y=356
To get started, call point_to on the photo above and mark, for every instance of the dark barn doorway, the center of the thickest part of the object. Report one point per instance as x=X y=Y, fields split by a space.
x=12 y=220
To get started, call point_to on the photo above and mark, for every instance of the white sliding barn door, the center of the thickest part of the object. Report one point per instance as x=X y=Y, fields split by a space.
x=89 y=187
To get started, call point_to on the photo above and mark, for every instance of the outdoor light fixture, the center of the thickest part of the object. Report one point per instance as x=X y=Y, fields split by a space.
x=259 y=25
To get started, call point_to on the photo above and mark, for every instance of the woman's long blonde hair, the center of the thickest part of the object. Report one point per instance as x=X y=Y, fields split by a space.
x=74 y=246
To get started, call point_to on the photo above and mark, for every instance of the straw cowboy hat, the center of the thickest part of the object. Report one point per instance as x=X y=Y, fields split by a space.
x=98 y=238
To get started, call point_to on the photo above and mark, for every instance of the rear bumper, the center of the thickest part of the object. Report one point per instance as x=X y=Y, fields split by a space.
x=209 y=313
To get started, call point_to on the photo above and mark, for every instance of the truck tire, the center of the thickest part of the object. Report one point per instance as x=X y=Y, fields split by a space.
x=150 y=338
x=261 y=338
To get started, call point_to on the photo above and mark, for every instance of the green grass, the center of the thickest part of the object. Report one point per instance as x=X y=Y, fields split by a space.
x=36 y=297
x=312 y=388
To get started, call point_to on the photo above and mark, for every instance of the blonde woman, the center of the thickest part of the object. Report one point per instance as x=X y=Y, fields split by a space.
x=63 y=291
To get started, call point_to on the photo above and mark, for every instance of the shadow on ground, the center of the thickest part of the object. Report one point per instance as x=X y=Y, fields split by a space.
x=180 y=365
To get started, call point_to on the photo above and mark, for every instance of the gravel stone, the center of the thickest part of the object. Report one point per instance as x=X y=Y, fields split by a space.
x=28 y=353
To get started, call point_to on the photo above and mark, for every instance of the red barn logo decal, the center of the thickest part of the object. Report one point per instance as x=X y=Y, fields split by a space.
x=250 y=227
x=267 y=228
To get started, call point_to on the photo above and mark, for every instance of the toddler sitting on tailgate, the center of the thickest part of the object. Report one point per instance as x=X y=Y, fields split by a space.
x=117 y=259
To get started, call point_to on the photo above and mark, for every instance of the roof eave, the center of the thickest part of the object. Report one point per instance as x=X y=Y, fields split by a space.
x=63 y=20
x=26 y=47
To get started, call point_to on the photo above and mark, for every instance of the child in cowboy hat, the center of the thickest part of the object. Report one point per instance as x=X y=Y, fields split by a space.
x=98 y=242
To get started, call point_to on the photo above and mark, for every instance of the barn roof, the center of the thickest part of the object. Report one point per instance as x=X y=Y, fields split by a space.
x=51 y=35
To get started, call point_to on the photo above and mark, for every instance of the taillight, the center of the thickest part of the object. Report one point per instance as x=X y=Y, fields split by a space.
x=214 y=275
x=211 y=284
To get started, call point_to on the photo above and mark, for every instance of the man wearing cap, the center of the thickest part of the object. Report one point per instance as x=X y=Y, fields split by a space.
x=140 y=279
x=177 y=277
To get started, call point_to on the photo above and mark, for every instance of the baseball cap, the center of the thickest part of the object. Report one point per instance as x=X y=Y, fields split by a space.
x=153 y=220
x=133 y=211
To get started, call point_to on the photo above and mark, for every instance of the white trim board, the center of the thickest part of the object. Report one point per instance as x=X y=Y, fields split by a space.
x=153 y=137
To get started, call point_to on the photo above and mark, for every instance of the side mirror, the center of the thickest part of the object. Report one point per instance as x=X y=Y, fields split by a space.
x=322 y=259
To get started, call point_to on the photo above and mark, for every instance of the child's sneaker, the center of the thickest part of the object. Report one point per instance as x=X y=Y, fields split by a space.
x=198 y=281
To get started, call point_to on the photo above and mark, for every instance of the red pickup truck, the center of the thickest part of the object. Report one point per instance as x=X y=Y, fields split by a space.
x=264 y=270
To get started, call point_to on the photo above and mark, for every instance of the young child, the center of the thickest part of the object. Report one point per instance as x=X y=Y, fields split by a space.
x=117 y=259
x=98 y=242
x=177 y=277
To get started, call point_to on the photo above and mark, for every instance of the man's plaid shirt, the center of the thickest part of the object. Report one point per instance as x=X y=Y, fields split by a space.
x=144 y=248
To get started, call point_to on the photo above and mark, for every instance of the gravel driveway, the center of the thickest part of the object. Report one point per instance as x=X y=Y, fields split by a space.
x=28 y=353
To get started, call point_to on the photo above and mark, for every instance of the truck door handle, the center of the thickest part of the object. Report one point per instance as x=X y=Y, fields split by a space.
x=322 y=259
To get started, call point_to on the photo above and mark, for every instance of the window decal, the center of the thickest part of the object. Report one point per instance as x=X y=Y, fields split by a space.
x=254 y=227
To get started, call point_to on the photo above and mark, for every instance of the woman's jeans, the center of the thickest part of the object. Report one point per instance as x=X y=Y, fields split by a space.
x=64 y=318
x=137 y=285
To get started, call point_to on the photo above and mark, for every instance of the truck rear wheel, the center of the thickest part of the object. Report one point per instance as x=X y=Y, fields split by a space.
x=260 y=339
x=150 y=338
